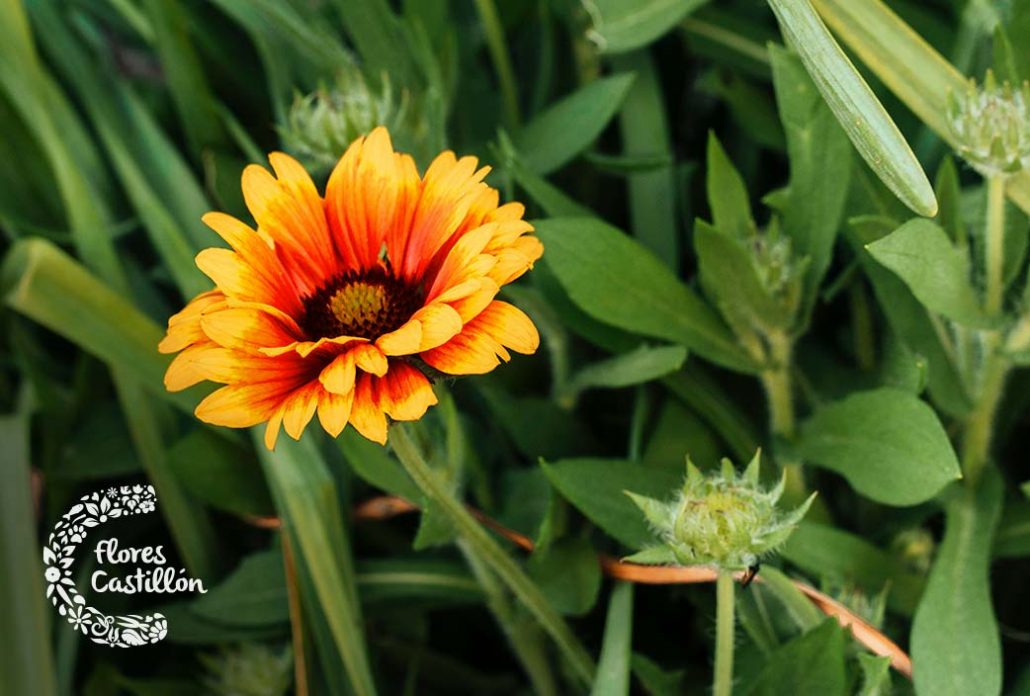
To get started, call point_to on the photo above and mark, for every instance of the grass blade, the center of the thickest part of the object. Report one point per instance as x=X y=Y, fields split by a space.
x=613 y=669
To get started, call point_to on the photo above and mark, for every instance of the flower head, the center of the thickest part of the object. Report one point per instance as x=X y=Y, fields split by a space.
x=724 y=519
x=340 y=305
x=992 y=126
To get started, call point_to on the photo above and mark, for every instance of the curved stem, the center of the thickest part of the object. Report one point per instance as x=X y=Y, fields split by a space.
x=502 y=62
x=724 y=626
x=490 y=552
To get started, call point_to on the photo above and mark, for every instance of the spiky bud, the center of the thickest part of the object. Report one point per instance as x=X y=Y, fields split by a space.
x=723 y=519
x=991 y=125
x=249 y=669
x=320 y=125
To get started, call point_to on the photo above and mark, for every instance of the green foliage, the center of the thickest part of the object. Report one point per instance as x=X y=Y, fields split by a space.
x=721 y=273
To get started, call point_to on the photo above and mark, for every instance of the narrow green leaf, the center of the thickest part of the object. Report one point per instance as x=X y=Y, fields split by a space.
x=859 y=112
x=727 y=194
x=876 y=674
x=625 y=25
x=597 y=488
x=820 y=169
x=812 y=663
x=416 y=580
x=569 y=126
x=375 y=465
x=616 y=281
x=645 y=129
x=613 y=669
x=26 y=662
x=799 y=607
x=936 y=272
x=308 y=503
x=638 y=366
x=955 y=644
x=887 y=443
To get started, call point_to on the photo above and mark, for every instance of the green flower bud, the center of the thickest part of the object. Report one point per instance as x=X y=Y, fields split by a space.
x=723 y=519
x=249 y=669
x=992 y=126
x=320 y=125
x=916 y=549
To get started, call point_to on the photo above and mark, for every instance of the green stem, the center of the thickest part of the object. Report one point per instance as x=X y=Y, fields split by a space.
x=994 y=243
x=724 y=625
x=489 y=551
x=779 y=391
x=522 y=636
x=976 y=443
x=502 y=62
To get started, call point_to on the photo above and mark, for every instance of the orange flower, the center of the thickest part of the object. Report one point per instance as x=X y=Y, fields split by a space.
x=335 y=306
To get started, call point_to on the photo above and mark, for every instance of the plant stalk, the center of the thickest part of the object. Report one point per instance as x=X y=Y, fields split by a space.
x=779 y=391
x=722 y=684
x=994 y=243
x=490 y=552
x=976 y=442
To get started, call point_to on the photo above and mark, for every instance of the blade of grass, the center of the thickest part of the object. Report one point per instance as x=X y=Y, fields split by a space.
x=26 y=662
x=306 y=496
x=613 y=669
x=859 y=112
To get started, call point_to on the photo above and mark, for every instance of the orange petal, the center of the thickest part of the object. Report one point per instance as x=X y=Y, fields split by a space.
x=405 y=393
x=366 y=416
x=243 y=405
x=404 y=341
x=371 y=193
x=370 y=359
x=246 y=329
x=516 y=259
x=184 y=327
x=470 y=306
x=288 y=209
x=482 y=344
x=334 y=411
x=300 y=408
x=338 y=376
x=456 y=266
x=273 y=426
x=440 y=323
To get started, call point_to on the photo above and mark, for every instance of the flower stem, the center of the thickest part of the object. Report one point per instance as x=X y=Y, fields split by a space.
x=724 y=634
x=994 y=243
x=976 y=442
x=489 y=551
x=502 y=62
x=779 y=391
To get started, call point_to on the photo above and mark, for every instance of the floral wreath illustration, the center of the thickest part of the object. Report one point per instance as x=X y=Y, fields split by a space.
x=59 y=554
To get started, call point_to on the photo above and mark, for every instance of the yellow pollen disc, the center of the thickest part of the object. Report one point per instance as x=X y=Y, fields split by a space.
x=359 y=303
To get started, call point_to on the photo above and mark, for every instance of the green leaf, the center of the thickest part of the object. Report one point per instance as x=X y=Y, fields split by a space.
x=909 y=319
x=568 y=574
x=624 y=25
x=27 y=662
x=820 y=168
x=645 y=130
x=799 y=607
x=876 y=675
x=638 y=366
x=936 y=272
x=955 y=644
x=220 y=473
x=374 y=464
x=616 y=281
x=824 y=551
x=569 y=126
x=437 y=582
x=309 y=505
x=657 y=681
x=857 y=109
x=613 y=668
x=597 y=488
x=888 y=444
x=812 y=663
x=727 y=195
x=254 y=594
x=1012 y=539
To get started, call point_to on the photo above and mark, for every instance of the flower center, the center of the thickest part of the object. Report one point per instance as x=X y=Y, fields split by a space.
x=366 y=304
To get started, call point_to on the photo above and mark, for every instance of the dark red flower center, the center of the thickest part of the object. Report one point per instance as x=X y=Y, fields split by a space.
x=366 y=304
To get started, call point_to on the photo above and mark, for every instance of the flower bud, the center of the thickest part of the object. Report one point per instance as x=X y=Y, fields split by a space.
x=722 y=519
x=320 y=125
x=991 y=125
x=249 y=669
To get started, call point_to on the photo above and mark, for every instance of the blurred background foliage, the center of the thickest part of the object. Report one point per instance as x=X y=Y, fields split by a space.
x=123 y=121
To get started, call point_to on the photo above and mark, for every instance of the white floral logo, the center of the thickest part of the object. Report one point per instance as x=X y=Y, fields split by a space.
x=59 y=554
